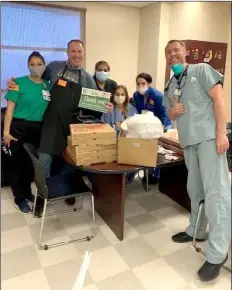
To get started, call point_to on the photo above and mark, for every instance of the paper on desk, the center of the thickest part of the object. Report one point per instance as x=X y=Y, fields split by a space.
x=167 y=153
x=163 y=151
x=170 y=157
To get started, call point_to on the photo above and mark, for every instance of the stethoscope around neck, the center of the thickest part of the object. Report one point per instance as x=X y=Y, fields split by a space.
x=179 y=87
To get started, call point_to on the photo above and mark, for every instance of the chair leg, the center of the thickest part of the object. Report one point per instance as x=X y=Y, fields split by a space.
x=201 y=204
x=147 y=181
x=42 y=225
x=93 y=215
x=35 y=201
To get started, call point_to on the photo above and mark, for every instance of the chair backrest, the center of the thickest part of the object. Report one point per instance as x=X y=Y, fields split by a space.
x=39 y=173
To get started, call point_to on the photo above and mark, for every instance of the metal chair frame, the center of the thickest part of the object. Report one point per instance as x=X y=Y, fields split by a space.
x=41 y=186
x=194 y=242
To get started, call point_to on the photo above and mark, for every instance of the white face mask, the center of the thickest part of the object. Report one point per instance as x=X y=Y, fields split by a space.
x=142 y=90
x=119 y=100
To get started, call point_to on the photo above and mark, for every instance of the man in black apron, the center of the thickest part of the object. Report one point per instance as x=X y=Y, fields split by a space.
x=67 y=79
x=62 y=111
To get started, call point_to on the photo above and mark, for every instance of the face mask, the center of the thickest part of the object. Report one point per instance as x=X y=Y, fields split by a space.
x=119 y=100
x=142 y=90
x=37 y=71
x=102 y=76
x=177 y=68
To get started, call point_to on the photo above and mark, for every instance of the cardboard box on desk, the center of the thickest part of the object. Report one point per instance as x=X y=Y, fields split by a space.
x=141 y=152
x=92 y=144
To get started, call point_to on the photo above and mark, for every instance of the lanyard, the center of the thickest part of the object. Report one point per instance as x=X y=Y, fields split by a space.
x=184 y=74
x=177 y=91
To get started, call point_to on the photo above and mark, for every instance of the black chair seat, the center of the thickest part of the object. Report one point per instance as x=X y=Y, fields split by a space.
x=66 y=184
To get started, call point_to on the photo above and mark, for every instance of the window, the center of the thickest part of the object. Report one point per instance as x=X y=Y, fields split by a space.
x=32 y=27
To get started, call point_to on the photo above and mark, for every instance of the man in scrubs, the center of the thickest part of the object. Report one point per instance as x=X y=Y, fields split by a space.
x=194 y=99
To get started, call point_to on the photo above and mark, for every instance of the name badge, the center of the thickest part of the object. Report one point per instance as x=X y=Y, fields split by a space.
x=46 y=95
x=62 y=83
x=177 y=92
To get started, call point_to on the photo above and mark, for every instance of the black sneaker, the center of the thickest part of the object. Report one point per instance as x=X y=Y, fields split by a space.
x=23 y=207
x=183 y=237
x=70 y=201
x=210 y=271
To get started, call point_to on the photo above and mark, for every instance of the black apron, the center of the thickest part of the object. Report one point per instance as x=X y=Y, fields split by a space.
x=61 y=112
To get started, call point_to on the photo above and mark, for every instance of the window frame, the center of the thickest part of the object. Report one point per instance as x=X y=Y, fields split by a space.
x=82 y=12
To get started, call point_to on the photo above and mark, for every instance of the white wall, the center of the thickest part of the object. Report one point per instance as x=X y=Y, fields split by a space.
x=149 y=39
x=112 y=34
x=206 y=21
x=164 y=37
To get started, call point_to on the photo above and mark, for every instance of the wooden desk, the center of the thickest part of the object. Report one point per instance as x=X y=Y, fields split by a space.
x=109 y=189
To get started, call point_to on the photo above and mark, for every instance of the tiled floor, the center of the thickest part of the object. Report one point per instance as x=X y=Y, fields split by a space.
x=145 y=260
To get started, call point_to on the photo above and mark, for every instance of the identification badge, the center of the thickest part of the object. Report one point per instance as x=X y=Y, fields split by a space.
x=177 y=92
x=46 y=95
x=62 y=83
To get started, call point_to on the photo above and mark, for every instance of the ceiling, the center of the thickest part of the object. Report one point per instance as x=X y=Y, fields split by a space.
x=141 y=4
x=132 y=3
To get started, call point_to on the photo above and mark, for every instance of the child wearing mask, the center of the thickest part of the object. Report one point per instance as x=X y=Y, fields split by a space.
x=26 y=105
x=122 y=108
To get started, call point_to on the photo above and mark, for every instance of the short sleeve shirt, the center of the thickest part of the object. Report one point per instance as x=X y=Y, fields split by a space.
x=30 y=99
x=198 y=124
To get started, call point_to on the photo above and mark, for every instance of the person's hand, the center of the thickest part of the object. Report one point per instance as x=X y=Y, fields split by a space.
x=11 y=85
x=178 y=108
x=8 y=138
x=222 y=144
x=110 y=107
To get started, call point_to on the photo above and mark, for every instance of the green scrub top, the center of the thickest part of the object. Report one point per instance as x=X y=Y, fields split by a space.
x=198 y=124
x=31 y=99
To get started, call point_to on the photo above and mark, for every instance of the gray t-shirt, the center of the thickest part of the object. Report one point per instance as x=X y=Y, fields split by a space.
x=55 y=69
x=198 y=124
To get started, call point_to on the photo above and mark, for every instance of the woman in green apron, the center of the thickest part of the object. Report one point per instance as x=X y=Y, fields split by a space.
x=26 y=105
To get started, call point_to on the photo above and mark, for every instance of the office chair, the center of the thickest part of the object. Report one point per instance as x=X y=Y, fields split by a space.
x=57 y=188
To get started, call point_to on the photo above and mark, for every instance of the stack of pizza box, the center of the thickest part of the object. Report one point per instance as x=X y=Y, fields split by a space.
x=92 y=143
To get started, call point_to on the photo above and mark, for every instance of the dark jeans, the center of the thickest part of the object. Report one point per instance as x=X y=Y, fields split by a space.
x=20 y=168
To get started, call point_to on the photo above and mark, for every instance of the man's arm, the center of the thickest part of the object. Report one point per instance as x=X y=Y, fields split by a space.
x=216 y=93
x=211 y=81
x=90 y=82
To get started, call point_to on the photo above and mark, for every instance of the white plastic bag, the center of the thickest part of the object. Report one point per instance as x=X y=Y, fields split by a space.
x=145 y=126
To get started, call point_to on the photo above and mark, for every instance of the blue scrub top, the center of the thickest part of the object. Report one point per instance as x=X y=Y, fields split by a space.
x=152 y=102
x=115 y=117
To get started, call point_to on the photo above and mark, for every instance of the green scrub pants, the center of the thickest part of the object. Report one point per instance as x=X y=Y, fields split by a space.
x=208 y=178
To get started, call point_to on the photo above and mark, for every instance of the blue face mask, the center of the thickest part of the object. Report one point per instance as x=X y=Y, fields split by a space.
x=102 y=76
x=177 y=68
